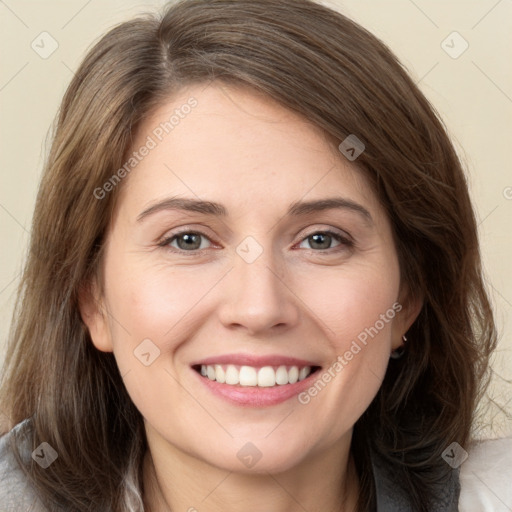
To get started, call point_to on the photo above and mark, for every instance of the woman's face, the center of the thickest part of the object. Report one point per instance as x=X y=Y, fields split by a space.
x=223 y=254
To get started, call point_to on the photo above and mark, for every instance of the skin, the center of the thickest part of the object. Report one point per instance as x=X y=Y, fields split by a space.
x=241 y=149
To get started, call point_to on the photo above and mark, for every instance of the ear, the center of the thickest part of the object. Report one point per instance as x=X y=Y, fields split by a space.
x=410 y=309
x=94 y=315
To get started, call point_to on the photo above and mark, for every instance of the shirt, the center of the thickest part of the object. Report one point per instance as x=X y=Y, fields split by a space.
x=482 y=483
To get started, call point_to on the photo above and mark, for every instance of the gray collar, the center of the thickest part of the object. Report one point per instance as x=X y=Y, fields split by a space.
x=391 y=497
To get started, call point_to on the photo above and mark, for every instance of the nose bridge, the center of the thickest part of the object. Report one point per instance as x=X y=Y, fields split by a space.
x=258 y=297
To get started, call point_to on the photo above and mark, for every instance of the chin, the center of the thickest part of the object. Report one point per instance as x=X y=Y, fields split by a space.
x=257 y=457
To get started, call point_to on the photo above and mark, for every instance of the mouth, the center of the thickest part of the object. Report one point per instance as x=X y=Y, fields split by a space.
x=244 y=376
x=250 y=380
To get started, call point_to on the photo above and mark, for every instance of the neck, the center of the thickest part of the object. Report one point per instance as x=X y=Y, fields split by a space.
x=325 y=482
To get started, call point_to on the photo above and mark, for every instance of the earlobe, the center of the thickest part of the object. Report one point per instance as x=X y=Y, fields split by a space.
x=411 y=308
x=94 y=316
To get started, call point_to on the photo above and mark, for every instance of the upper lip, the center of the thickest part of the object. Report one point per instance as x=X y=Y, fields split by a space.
x=254 y=360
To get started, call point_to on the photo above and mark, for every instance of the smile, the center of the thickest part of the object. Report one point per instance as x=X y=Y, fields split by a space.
x=264 y=377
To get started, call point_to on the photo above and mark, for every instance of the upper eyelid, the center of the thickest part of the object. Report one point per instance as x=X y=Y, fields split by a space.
x=189 y=229
x=338 y=231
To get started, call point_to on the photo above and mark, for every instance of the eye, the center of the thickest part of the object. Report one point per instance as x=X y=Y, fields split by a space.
x=322 y=240
x=191 y=241
x=188 y=241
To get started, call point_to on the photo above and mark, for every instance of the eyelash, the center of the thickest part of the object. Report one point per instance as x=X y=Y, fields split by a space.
x=345 y=242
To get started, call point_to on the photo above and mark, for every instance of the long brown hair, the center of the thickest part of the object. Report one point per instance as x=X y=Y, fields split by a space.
x=342 y=78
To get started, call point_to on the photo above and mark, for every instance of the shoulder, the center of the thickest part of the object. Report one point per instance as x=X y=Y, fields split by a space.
x=16 y=493
x=486 y=477
x=393 y=496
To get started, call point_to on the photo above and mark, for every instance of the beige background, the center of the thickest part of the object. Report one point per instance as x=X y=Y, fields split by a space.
x=473 y=93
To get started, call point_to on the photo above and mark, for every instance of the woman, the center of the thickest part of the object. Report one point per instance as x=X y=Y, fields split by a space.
x=254 y=279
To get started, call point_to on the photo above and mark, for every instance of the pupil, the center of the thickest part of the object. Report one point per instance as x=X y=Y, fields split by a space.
x=324 y=236
x=188 y=241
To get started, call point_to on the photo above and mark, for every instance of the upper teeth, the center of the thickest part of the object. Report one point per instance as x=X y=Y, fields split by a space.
x=265 y=376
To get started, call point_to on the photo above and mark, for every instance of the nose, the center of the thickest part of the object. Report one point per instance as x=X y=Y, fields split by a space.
x=256 y=298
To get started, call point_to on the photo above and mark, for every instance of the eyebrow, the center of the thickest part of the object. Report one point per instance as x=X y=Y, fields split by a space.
x=296 y=209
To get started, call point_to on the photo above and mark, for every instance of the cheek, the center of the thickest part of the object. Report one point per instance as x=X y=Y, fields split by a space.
x=350 y=302
x=157 y=303
x=149 y=306
x=357 y=310
x=150 y=302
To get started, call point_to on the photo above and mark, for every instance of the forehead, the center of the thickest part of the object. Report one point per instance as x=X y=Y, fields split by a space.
x=235 y=146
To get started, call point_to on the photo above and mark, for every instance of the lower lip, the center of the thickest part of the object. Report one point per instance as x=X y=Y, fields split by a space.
x=253 y=396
